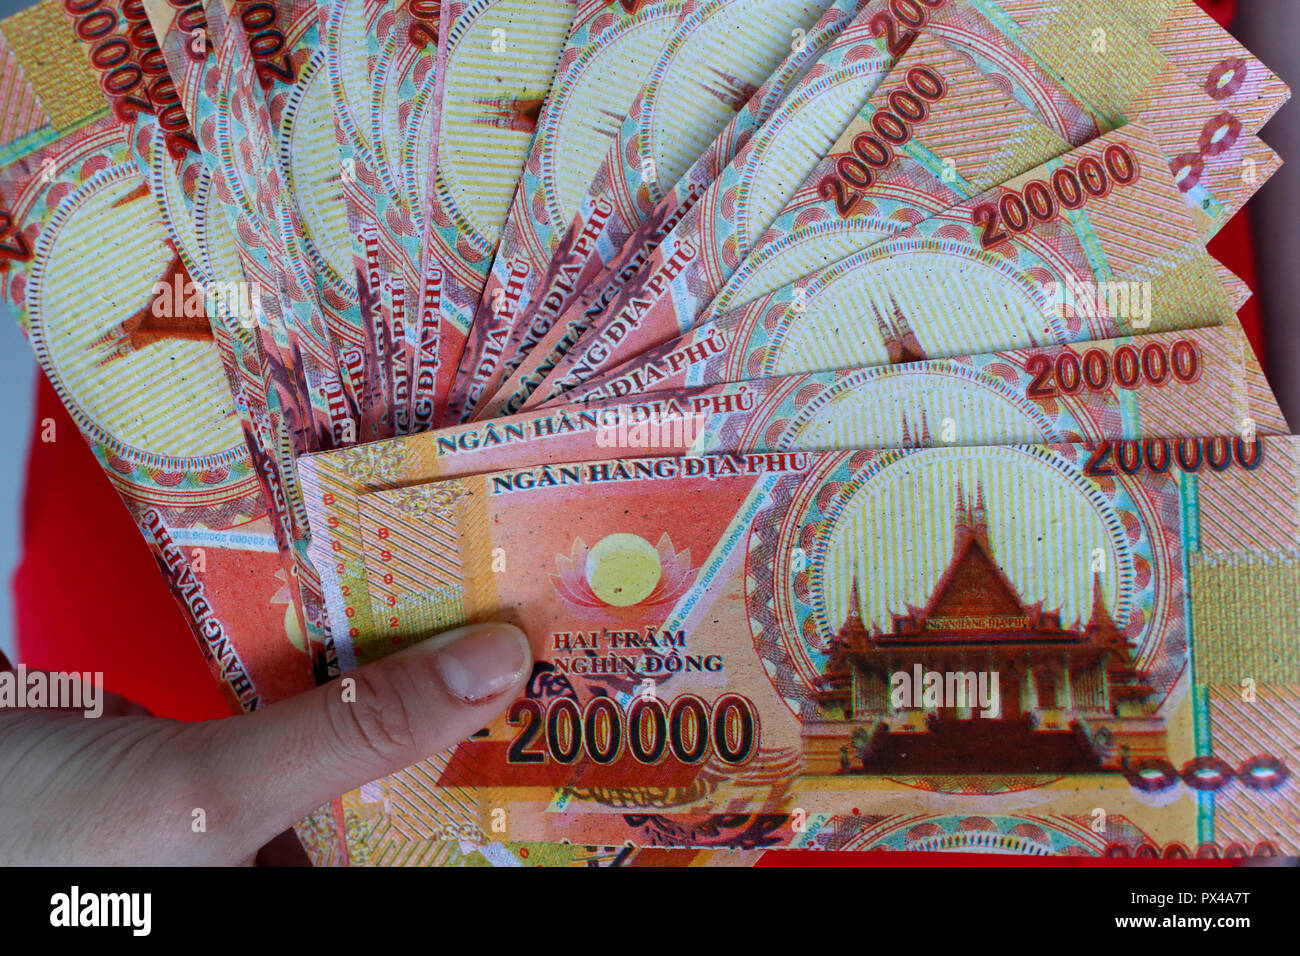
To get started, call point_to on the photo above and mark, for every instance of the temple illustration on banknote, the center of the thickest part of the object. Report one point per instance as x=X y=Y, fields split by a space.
x=1071 y=696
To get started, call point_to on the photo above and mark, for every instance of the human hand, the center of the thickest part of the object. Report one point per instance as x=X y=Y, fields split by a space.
x=122 y=788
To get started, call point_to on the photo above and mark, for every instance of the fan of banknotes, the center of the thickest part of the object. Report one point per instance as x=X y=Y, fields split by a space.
x=840 y=394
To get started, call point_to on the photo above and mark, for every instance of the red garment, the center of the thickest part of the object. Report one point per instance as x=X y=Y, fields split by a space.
x=89 y=596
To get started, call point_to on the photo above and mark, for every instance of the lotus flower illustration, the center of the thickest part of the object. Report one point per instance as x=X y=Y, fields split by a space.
x=622 y=571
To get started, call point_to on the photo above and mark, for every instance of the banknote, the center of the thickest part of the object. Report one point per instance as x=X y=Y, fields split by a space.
x=351 y=833
x=1223 y=86
x=1150 y=20
x=613 y=253
x=203 y=275
x=236 y=144
x=347 y=34
x=278 y=81
x=1125 y=385
x=264 y=57
x=592 y=29
x=839 y=211
x=273 y=78
x=222 y=87
x=822 y=98
x=404 y=113
x=695 y=84
x=1238 y=291
x=124 y=53
x=800 y=238
x=381 y=58
x=144 y=384
x=500 y=59
x=1201 y=49
x=963 y=134
x=776 y=158
x=296 y=85
x=660 y=147
x=296 y=73
x=484 y=110
x=1057 y=76
x=1229 y=72
x=951 y=401
x=367 y=831
x=976 y=277
x=407 y=122
x=764 y=176
x=166 y=153
x=718 y=352
x=825 y=650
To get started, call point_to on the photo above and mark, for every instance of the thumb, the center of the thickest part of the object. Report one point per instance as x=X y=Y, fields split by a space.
x=295 y=756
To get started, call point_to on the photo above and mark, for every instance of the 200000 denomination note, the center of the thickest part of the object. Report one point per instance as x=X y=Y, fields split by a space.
x=1103 y=392
x=681 y=52
x=143 y=381
x=500 y=61
x=859 y=648
x=980 y=276
x=1051 y=70
x=672 y=140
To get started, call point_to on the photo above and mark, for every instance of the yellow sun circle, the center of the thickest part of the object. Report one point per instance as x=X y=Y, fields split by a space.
x=623 y=569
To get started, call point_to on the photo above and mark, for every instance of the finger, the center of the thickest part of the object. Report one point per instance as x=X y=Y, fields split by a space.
x=297 y=755
x=115 y=705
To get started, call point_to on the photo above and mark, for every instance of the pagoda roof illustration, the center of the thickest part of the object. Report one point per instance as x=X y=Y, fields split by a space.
x=919 y=438
x=976 y=619
x=975 y=602
x=730 y=89
x=896 y=334
x=514 y=113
